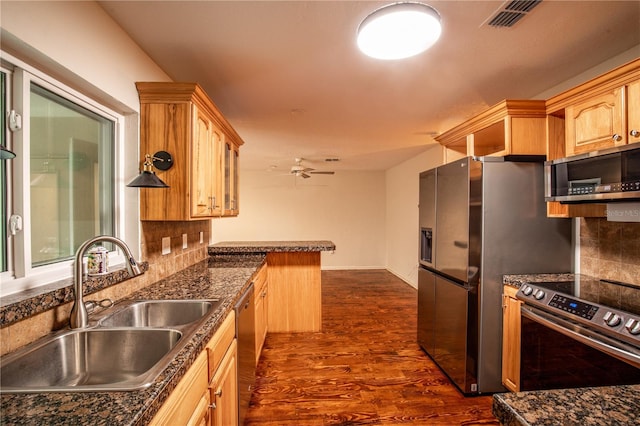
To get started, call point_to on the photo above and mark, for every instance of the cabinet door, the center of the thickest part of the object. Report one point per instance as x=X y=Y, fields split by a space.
x=596 y=123
x=633 y=111
x=231 y=154
x=200 y=416
x=510 y=339
x=185 y=402
x=202 y=172
x=205 y=182
x=224 y=390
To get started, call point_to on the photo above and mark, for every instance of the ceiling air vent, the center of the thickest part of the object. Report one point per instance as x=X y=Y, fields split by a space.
x=511 y=12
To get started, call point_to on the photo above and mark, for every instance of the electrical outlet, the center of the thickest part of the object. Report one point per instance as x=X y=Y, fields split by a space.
x=166 y=245
x=184 y=241
x=201 y=237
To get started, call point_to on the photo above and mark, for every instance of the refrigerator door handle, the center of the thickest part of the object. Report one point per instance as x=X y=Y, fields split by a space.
x=461 y=244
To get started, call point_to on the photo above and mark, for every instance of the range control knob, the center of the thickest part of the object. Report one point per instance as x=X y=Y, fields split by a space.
x=633 y=326
x=539 y=294
x=612 y=319
x=527 y=290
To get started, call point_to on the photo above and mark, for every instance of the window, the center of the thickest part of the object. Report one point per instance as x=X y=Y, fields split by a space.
x=71 y=176
x=3 y=173
x=63 y=183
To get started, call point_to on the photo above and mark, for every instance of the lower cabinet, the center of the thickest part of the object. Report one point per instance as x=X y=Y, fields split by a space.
x=188 y=404
x=261 y=304
x=207 y=394
x=510 y=339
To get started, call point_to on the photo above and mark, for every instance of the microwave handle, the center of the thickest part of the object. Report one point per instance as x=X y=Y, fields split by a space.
x=547 y=181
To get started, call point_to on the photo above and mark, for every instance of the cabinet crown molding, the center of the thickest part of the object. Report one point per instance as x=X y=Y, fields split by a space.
x=170 y=92
x=604 y=83
x=498 y=112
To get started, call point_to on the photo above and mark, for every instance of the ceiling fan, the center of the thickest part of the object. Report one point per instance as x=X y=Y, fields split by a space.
x=299 y=170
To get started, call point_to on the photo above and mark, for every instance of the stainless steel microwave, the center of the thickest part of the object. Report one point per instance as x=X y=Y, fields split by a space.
x=604 y=176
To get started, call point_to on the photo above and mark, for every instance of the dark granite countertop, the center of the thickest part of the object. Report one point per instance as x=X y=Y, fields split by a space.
x=518 y=280
x=235 y=247
x=608 y=405
x=206 y=280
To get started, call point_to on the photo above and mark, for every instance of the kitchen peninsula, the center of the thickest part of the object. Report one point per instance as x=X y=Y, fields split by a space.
x=293 y=274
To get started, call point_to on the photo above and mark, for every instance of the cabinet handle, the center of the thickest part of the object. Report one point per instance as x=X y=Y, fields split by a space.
x=212 y=406
x=218 y=393
x=635 y=133
x=616 y=137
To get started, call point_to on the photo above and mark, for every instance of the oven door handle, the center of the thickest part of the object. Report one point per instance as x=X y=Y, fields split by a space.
x=577 y=332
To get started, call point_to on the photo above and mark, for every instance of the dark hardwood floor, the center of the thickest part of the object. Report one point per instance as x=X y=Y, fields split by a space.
x=364 y=368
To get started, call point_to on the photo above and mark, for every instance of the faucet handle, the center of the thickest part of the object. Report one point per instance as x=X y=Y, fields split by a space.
x=92 y=305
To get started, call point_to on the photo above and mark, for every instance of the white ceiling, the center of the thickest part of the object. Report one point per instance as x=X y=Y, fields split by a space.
x=289 y=78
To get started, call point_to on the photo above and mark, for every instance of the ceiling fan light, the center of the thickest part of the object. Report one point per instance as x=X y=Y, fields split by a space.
x=399 y=31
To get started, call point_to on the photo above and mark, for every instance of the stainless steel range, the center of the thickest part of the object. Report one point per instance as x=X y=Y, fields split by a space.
x=579 y=332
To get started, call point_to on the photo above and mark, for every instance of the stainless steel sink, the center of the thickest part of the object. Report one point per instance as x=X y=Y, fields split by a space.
x=126 y=348
x=158 y=313
x=90 y=360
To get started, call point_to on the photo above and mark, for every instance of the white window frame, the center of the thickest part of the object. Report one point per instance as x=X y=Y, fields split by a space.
x=21 y=276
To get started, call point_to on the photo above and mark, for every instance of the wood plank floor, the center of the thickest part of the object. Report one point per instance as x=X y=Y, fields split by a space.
x=364 y=368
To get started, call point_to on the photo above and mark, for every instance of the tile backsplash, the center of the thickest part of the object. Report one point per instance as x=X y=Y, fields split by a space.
x=610 y=250
x=160 y=265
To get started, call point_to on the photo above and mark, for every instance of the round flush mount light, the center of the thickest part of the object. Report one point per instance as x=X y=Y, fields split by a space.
x=399 y=30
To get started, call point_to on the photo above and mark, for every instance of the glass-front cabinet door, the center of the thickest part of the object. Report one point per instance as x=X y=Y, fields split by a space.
x=231 y=154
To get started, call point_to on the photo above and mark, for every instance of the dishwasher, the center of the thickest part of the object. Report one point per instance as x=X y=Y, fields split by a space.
x=245 y=333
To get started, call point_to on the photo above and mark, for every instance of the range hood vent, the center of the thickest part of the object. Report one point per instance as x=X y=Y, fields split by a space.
x=511 y=12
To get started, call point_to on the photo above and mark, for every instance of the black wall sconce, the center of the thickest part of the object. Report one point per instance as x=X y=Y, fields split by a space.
x=161 y=160
x=5 y=154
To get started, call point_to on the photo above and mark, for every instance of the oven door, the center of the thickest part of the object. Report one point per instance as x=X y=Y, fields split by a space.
x=556 y=354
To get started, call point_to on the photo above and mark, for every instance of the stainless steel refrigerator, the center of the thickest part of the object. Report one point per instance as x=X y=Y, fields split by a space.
x=480 y=218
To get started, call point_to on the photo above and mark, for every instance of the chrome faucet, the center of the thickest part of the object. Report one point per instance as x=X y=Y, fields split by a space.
x=79 y=317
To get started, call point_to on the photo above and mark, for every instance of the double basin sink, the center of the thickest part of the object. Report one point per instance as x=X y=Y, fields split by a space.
x=126 y=348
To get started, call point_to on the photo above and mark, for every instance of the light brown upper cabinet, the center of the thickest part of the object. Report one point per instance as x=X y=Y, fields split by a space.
x=511 y=127
x=181 y=119
x=601 y=121
x=601 y=113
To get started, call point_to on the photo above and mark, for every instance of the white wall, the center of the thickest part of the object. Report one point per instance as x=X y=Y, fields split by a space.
x=79 y=44
x=79 y=40
x=606 y=66
x=347 y=208
x=402 y=186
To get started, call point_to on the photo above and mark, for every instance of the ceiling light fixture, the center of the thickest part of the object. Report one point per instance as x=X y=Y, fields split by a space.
x=147 y=178
x=399 y=30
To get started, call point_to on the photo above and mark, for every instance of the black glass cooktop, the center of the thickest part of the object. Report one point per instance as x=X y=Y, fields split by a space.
x=624 y=297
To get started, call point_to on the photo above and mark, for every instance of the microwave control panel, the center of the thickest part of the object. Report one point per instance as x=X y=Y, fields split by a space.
x=581 y=189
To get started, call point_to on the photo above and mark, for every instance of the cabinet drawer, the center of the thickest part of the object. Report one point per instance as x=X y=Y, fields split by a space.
x=219 y=343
